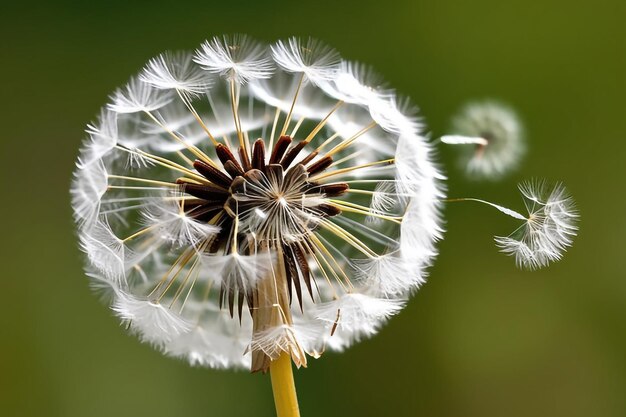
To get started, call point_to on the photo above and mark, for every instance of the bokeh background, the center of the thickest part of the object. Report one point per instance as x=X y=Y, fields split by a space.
x=482 y=338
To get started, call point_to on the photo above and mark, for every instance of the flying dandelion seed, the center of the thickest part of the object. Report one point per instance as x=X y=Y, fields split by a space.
x=491 y=137
x=548 y=229
x=241 y=203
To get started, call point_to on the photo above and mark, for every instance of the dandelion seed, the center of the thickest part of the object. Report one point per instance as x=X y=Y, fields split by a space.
x=237 y=57
x=548 y=230
x=356 y=316
x=139 y=96
x=172 y=222
x=312 y=58
x=102 y=138
x=356 y=82
x=491 y=137
x=388 y=274
x=152 y=321
x=89 y=185
x=176 y=71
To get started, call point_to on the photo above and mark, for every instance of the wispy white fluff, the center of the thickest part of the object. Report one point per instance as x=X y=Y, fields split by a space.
x=102 y=138
x=311 y=333
x=549 y=229
x=316 y=60
x=355 y=82
x=176 y=71
x=387 y=275
x=417 y=178
x=411 y=164
x=154 y=322
x=105 y=251
x=417 y=233
x=395 y=115
x=105 y=289
x=215 y=340
x=128 y=133
x=196 y=346
x=384 y=197
x=355 y=316
x=88 y=186
x=385 y=200
x=236 y=269
x=211 y=347
x=421 y=228
x=236 y=57
x=275 y=340
x=137 y=160
x=168 y=219
x=139 y=96
x=359 y=312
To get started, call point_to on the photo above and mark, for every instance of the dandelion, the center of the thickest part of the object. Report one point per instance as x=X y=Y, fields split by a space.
x=276 y=204
x=491 y=137
x=548 y=229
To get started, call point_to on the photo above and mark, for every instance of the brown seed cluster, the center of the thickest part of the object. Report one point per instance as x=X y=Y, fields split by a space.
x=219 y=202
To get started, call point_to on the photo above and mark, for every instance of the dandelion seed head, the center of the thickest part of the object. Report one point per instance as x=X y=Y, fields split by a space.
x=491 y=139
x=249 y=200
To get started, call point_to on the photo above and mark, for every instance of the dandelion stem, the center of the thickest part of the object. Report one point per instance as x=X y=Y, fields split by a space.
x=283 y=387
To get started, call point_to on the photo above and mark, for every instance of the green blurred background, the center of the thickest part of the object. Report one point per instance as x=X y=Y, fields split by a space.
x=482 y=338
